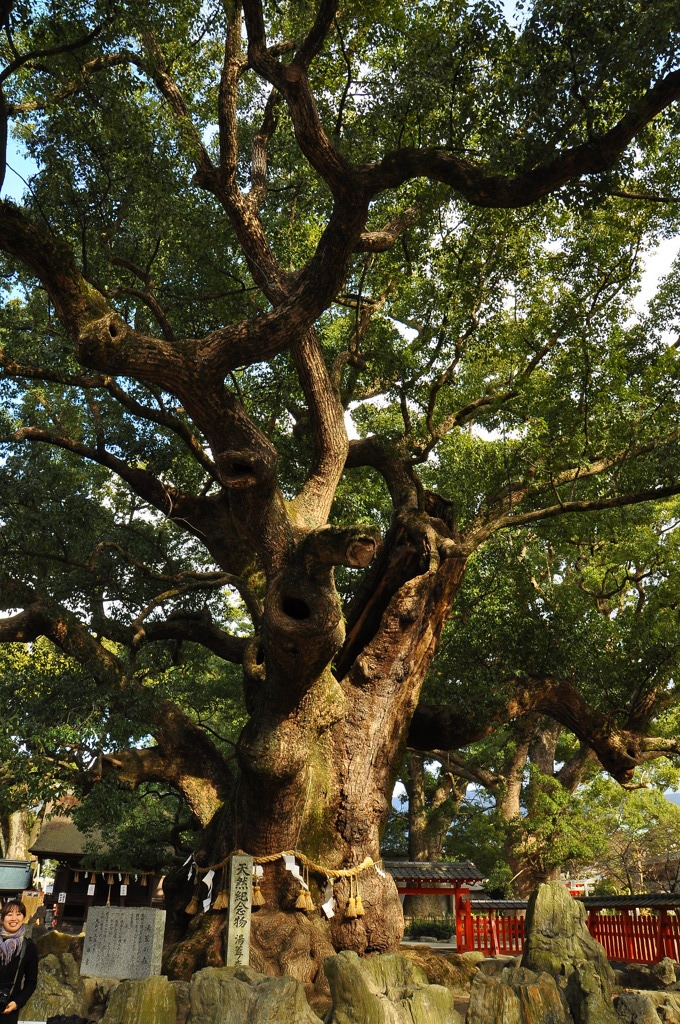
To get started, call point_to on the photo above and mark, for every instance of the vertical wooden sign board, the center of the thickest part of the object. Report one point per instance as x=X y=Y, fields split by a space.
x=240 y=895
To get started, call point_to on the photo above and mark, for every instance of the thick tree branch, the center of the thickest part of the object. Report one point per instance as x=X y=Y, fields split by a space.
x=159 y=416
x=329 y=433
x=191 y=583
x=475 y=537
x=181 y=627
x=185 y=757
x=572 y=772
x=384 y=238
x=462 y=767
x=74 y=86
x=232 y=67
x=258 y=160
x=526 y=185
x=41 y=617
x=303 y=614
x=292 y=82
x=50 y=51
x=208 y=518
x=325 y=16
x=618 y=749
x=395 y=467
x=156 y=65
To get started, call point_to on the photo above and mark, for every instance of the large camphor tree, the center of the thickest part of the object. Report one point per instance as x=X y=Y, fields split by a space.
x=250 y=226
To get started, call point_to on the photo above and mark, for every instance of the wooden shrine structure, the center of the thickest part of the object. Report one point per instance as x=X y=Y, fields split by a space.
x=77 y=888
x=451 y=880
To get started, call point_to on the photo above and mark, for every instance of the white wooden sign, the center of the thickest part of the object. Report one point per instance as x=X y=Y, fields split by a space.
x=240 y=895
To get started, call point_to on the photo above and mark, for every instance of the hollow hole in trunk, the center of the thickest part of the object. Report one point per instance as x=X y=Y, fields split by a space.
x=295 y=607
x=240 y=468
x=113 y=330
x=259 y=657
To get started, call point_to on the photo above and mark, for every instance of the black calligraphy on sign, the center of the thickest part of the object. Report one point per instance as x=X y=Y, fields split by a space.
x=242 y=895
x=238 y=938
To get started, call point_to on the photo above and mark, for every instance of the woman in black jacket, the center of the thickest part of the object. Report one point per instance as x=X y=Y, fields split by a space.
x=18 y=960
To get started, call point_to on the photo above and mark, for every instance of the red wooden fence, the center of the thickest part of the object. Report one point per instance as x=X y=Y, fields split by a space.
x=637 y=938
x=629 y=936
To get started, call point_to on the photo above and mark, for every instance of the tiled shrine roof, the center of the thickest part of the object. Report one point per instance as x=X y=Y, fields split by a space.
x=434 y=871
x=650 y=899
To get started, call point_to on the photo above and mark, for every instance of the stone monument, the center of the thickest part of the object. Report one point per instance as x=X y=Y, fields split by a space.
x=123 y=942
x=240 y=895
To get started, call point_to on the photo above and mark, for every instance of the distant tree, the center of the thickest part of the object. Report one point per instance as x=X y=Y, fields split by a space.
x=642 y=849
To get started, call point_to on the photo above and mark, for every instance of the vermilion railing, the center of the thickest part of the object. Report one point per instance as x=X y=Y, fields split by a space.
x=640 y=938
x=627 y=937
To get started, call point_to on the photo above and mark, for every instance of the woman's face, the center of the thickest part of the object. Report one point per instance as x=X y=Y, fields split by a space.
x=12 y=920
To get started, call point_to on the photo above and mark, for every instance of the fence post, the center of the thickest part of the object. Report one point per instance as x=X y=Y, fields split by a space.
x=661 y=935
x=493 y=933
x=629 y=933
x=593 y=923
x=469 y=930
x=460 y=917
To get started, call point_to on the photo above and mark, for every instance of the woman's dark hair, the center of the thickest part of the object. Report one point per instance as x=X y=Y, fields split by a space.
x=6 y=907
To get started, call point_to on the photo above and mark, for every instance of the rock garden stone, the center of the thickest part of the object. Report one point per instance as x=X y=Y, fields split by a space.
x=142 y=1001
x=493 y=966
x=667 y=1005
x=452 y=970
x=559 y=943
x=658 y=977
x=635 y=1008
x=60 y=990
x=664 y=972
x=240 y=995
x=386 y=989
x=516 y=996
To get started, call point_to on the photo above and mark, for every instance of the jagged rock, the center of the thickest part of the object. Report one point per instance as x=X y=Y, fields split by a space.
x=589 y=994
x=454 y=970
x=658 y=977
x=517 y=996
x=559 y=943
x=636 y=1008
x=664 y=971
x=386 y=989
x=96 y=993
x=54 y=942
x=667 y=1005
x=493 y=966
x=240 y=995
x=142 y=1001
x=182 y=1000
x=60 y=990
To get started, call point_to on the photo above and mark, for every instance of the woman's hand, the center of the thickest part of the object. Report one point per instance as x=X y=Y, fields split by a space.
x=10 y=1006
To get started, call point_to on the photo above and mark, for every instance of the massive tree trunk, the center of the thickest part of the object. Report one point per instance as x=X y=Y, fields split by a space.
x=317 y=773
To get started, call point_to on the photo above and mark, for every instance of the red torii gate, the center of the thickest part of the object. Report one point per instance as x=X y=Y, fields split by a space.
x=436 y=878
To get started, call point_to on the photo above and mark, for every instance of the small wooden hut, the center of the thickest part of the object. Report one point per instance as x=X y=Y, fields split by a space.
x=77 y=888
